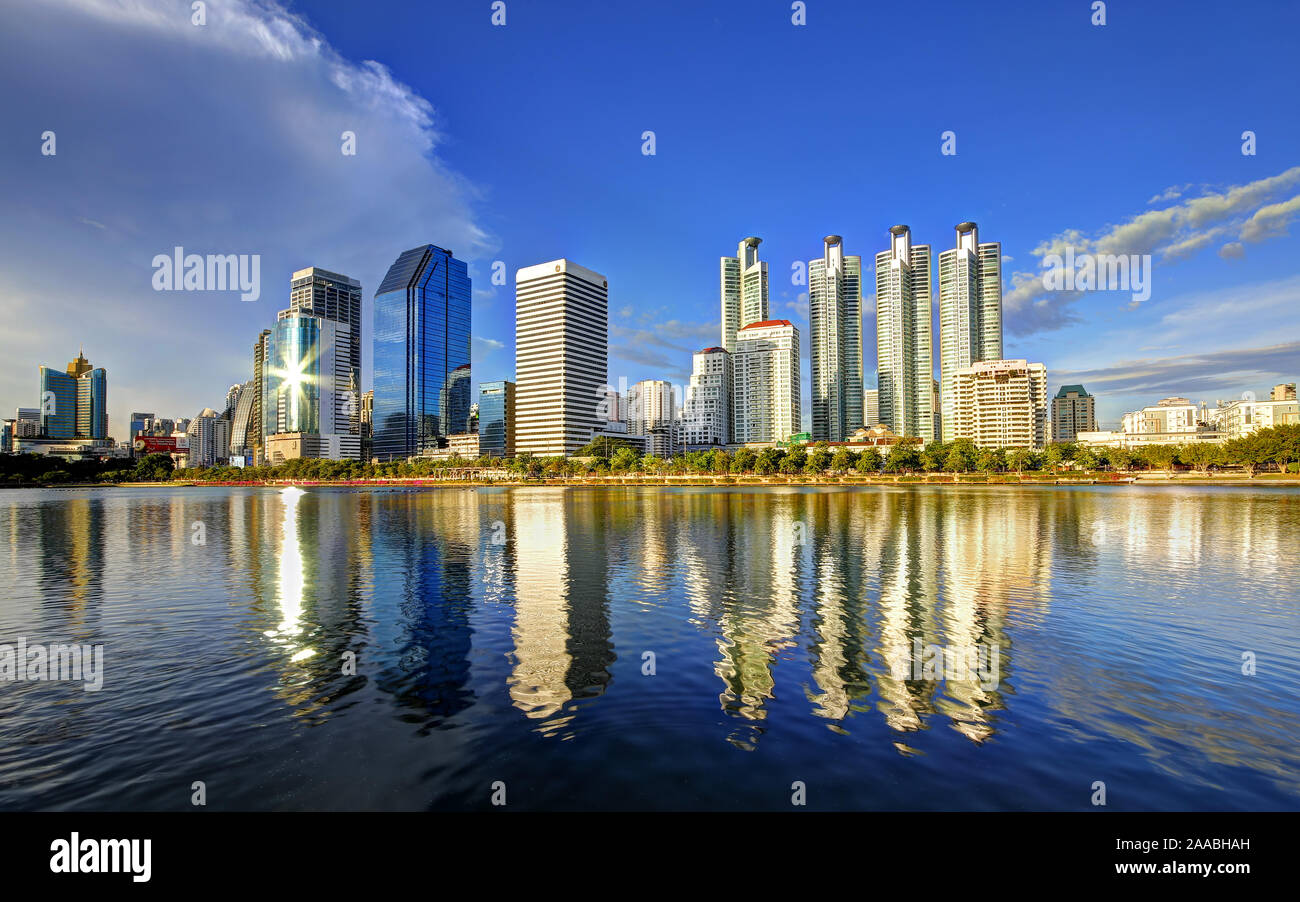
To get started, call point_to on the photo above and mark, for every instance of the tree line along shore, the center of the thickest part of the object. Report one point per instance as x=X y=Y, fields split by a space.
x=1271 y=453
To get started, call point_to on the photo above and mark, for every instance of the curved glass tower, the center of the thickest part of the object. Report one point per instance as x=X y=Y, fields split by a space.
x=421 y=353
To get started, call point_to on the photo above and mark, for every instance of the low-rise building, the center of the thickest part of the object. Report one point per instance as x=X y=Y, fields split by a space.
x=1001 y=404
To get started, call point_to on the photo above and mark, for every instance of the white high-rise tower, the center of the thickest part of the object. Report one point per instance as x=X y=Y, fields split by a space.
x=765 y=382
x=970 y=313
x=743 y=281
x=561 y=356
x=904 y=357
x=835 y=340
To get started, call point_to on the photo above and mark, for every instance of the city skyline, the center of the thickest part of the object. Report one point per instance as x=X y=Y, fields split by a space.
x=1214 y=219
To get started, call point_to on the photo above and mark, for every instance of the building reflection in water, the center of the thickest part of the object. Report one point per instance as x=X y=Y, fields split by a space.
x=562 y=643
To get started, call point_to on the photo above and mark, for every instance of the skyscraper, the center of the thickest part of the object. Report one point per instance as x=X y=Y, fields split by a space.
x=561 y=356
x=904 y=360
x=329 y=295
x=496 y=419
x=74 y=403
x=242 y=424
x=706 y=413
x=308 y=410
x=835 y=341
x=744 y=290
x=255 y=438
x=970 y=312
x=765 y=382
x=421 y=347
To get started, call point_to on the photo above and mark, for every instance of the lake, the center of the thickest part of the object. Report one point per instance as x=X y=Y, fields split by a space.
x=877 y=648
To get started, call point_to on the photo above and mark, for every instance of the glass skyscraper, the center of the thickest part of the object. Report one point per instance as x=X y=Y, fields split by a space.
x=421 y=353
x=74 y=403
x=496 y=419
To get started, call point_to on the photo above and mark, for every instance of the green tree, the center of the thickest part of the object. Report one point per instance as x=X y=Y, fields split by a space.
x=991 y=460
x=934 y=457
x=903 y=458
x=744 y=461
x=1086 y=458
x=842 y=460
x=818 y=462
x=1021 y=459
x=868 y=461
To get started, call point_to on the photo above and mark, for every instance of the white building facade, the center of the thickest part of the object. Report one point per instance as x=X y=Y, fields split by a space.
x=765 y=382
x=970 y=312
x=706 y=411
x=835 y=341
x=904 y=354
x=561 y=357
x=1001 y=404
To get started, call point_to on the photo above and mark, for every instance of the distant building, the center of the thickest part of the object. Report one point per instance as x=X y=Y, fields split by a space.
x=1073 y=411
x=1171 y=421
x=243 y=426
x=421 y=353
x=561 y=357
x=27 y=422
x=765 y=382
x=367 y=424
x=706 y=410
x=6 y=436
x=652 y=413
x=1001 y=404
x=936 y=408
x=1241 y=418
x=256 y=436
x=496 y=419
x=1283 y=392
x=138 y=422
x=464 y=445
x=870 y=407
x=209 y=439
x=904 y=324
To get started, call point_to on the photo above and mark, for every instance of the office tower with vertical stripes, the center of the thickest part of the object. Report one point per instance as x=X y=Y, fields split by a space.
x=970 y=313
x=561 y=357
x=743 y=280
x=904 y=357
x=835 y=341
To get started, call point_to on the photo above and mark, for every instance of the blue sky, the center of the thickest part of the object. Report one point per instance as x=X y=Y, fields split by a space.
x=523 y=143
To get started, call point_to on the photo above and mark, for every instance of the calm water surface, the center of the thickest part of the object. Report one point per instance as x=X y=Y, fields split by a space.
x=502 y=635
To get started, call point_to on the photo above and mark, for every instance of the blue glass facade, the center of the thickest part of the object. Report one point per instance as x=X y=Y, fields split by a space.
x=58 y=408
x=495 y=419
x=291 y=377
x=421 y=353
x=92 y=404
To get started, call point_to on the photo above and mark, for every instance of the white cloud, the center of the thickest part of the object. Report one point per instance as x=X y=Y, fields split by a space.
x=1171 y=234
x=224 y=138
